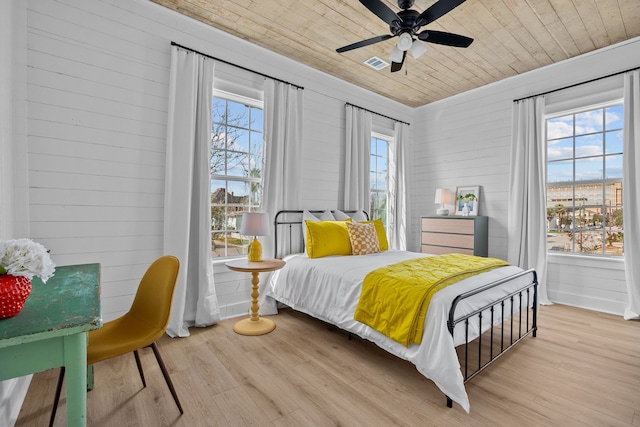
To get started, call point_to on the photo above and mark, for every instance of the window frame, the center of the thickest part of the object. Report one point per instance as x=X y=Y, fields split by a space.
x=387 y=192
x=227 y=230
x=579 y=188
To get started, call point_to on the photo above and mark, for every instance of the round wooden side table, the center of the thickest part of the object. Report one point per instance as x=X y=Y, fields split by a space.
x=254 y=325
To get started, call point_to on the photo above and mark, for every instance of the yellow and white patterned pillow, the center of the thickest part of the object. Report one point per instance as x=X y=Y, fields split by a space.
x=364 y=239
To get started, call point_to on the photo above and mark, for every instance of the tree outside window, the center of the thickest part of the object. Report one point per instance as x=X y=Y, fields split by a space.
x=236 y=166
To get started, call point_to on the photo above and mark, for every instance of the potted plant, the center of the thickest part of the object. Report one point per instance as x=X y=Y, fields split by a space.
x=466 y=199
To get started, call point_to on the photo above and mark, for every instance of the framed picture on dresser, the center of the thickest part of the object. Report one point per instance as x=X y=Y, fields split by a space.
x=472 y=200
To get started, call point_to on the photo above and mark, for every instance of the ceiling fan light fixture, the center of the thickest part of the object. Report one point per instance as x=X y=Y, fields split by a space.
x=396 y=55
x=404 y=42
x=418 y=49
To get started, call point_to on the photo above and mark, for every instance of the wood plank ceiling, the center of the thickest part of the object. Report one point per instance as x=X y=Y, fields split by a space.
x=511 y=37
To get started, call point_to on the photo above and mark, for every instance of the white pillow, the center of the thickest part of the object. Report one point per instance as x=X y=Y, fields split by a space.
x=359 y=216
x=340 y=216
x=306 y=215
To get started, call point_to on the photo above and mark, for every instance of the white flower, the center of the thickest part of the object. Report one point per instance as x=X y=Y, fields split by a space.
x=24 y=257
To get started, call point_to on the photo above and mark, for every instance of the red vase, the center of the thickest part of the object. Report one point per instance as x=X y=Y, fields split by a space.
x=14 y=291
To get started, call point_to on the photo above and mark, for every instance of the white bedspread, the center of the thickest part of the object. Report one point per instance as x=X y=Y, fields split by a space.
x=329 y=288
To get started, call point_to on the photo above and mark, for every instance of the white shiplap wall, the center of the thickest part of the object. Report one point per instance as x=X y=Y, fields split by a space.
x=13 y=169
x=97 y=101
x=98 y=73
x=465 y=140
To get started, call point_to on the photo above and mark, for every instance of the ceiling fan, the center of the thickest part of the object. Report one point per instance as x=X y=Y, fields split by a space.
x=406 y=24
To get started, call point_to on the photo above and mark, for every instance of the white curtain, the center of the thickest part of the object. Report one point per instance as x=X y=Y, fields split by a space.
x=283 y=107
x=7 y=159
x=527 y=229
x=397 y=187
x=357 y=159
x=14 y=173
x=187 y=202
x=631 y=191
x=14 y=190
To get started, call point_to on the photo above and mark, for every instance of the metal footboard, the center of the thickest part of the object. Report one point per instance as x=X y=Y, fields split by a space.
x=519 y=324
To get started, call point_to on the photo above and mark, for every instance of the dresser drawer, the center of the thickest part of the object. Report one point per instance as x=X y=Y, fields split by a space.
x=444 y=225
x=439 y=250
x=442 y=239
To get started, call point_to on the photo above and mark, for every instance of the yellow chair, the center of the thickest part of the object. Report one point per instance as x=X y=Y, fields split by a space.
x=145 y=323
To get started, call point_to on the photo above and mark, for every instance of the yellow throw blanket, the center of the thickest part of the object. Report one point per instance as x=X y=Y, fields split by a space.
x=394 y=299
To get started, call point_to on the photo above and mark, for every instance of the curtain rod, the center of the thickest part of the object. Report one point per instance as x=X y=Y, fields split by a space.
x=576 y=84
x=235 y=65
x=378 y=114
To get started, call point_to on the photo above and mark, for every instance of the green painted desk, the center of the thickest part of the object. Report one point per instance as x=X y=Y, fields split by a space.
x=51 y=331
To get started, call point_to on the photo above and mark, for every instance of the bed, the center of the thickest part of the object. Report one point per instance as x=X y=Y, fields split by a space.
x=468 y=325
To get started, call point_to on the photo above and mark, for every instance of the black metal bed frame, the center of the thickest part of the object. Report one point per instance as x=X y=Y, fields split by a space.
x=530 y=307
x=522 y=330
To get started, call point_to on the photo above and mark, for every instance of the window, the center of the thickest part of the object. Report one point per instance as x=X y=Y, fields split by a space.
x=236 y=163
x=379 y=177
x=584 y=181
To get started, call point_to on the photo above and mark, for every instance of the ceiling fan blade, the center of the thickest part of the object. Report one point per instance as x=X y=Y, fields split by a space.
x=397 y=66
x=447 y=39
x=364 y=43
x=438 y=9
x=382 y=11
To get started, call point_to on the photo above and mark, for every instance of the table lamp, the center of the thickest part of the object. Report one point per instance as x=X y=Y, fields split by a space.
x=443 y=196
x=254 y=224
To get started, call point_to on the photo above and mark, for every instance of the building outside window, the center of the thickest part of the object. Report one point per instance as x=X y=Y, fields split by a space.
x=236 y=164
x=379 y=177
x=584 y=181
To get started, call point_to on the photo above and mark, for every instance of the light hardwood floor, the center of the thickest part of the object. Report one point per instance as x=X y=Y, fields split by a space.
x=582 y=369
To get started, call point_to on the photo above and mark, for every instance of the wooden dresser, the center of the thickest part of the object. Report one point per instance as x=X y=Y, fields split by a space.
x=461 y=234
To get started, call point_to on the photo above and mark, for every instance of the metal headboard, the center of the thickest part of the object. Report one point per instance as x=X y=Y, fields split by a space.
x=287 y=226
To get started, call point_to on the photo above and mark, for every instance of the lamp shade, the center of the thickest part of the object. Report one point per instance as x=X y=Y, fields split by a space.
x=396 y=55
x=254 y=224
x=418 y=49
x=404 y=42
x=443 y=196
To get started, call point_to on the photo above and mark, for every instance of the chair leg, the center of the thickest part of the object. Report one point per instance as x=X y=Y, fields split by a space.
x=89 y=377
x=56 y=399
x=135 y=353
x=154 y=347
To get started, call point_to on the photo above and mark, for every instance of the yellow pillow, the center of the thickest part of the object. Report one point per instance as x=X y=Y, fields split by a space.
x=364 y=239
x=326 y=238
x=381 y=232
